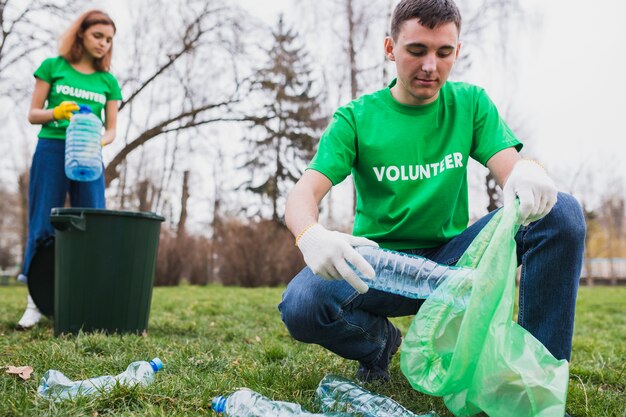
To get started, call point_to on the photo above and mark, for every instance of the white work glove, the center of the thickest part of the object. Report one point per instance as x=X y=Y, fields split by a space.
x=326 y=253
x=535 y=189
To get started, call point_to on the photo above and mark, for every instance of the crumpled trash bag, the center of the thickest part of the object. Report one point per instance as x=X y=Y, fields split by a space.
x=464 y=346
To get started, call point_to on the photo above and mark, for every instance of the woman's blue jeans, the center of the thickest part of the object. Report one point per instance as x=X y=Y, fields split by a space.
x=48 y=188
x=332 y=314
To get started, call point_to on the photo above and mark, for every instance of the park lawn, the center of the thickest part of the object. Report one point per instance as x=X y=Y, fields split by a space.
x=215 y=339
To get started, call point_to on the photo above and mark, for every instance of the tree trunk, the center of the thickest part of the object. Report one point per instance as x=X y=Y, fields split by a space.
x=216 y=224
x=274 y=188
x=145 y=194
x=180 y=233
x=492 y=192
x=354 y=87
x=22 y=185
x=587 y=254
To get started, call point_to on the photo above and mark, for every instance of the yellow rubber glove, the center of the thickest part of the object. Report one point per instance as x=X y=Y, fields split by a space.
x=64 y=110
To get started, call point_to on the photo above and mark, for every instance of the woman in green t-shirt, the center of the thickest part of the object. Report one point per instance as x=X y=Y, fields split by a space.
x=79 y=75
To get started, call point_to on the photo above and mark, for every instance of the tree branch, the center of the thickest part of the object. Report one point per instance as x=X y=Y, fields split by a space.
x=111 y=171
x=190 y=39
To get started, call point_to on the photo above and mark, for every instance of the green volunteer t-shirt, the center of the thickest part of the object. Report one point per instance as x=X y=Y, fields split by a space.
x=409 y=163
x=68 y=84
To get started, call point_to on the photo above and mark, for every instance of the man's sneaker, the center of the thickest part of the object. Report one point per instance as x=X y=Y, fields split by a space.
x=380 y=371
x=30 y=317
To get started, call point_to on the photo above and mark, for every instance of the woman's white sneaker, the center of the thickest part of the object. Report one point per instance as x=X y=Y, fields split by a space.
x=31 y=315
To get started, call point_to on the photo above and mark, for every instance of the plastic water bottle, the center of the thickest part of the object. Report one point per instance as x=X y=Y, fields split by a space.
x=56 y=386
x=337 y=393
x=83 y=146
x=399 y=273
x=247 y=403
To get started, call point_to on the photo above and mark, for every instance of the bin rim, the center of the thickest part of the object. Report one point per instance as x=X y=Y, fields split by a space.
x=59 y=211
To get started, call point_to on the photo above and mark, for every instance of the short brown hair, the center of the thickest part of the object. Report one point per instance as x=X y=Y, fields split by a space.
x=430 y=13
x=71 y=44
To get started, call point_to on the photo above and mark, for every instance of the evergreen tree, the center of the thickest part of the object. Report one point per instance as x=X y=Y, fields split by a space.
x=286 y=129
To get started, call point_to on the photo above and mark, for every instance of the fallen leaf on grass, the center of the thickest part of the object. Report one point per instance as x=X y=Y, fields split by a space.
x=21 y=371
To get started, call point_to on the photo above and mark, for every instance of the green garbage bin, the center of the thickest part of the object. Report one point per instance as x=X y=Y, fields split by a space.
x=104 y=269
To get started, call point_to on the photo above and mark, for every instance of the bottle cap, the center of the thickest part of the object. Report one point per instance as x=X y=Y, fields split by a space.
x=218 y=404
x=156 y=364
x=83 y=109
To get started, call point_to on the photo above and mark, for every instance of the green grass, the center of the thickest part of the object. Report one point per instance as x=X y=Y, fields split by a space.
x=215 y=339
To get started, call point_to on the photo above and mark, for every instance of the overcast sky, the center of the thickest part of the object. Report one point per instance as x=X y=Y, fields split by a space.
x=574 y=80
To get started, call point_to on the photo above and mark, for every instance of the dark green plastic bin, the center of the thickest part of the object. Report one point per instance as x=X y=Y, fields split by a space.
x=104 y=269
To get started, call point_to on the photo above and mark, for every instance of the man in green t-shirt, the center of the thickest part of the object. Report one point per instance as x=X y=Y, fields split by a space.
x=407 y=148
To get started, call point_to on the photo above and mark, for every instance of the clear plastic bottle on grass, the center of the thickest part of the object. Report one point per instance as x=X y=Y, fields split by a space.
x=247 y=403
x=337 y=393
x=399 y=273
x=56 y=386
x=83 y=146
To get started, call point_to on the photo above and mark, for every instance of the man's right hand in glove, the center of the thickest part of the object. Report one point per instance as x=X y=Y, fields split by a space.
x=64 y=110
x=327 y=253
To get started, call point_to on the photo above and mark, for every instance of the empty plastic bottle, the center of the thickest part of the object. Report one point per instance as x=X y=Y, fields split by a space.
x=399 y=273
x=247 y=403
x=337 y=393
x=56 y=386
x=83 y=146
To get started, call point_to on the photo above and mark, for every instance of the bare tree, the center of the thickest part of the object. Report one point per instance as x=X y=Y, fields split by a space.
x=28 y=27
x=612 y=214
x=184 y=199
x=202 y=43
x=602 y=195
x=356 y=29
x=9 y=229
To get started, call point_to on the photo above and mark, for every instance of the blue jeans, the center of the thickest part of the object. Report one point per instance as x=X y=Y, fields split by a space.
x=354 y=326
x=48 y=188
